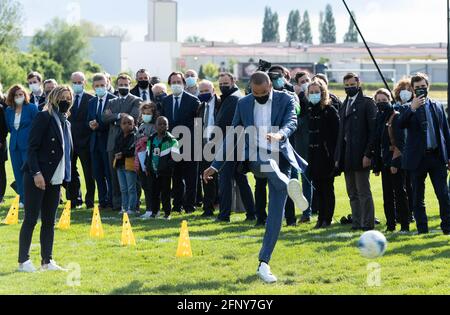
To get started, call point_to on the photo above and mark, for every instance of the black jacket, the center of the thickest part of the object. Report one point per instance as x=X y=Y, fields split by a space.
x=45 y=149
x=323 y=134
x=80 y=130
x=356 y=133
x=227 y=110
x=126 y=146
x=135 y=91
x=3 y=135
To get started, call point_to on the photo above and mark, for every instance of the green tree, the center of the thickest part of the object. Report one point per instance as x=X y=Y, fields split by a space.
x=269 y=31
x=293 y=26
x=10 y=70
x=211 y=71
x=276 y=28
x=10 y=22
x=305 y=35
x=66 y=44
x=38 y=60
x=201 y=74
x=352 y=34
x=328 y=27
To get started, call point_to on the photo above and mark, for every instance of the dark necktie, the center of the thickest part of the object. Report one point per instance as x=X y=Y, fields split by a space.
x=99 y=110
x=144 y=95
x=75 y=105
x=177 y=107
x=207 y=120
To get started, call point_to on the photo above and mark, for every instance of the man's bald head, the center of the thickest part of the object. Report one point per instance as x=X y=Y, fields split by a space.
x=260 y=84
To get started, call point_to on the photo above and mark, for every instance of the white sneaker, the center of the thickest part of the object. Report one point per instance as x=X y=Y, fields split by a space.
x=122 y=211
x=146 y=215
x=264 y=273
x=21 y=206
x=296 y=194
x=27 y=267
x=52 y=266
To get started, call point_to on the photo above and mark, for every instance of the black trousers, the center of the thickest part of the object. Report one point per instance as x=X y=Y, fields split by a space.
x=160 y=193
x=209 y=190
x=2 y=179
x=46 y=203
x=185 y=185
x=324 y=199
x=74 y=187
x=431 y=164
x=146 y=184
x=409 y=193
x=395 y=198
x=261 y=203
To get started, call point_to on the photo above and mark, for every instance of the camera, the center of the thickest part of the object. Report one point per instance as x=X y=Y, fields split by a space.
x=263 y=66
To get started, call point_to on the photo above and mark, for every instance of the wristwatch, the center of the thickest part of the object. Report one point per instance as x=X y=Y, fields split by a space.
x=38 y=173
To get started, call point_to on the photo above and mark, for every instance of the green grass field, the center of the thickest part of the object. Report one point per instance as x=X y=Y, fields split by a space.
x=225 y=257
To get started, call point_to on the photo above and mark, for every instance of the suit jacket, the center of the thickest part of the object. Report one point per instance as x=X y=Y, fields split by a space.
x=226 y=112
x=129 y=105
x=135 y=91
x=187 y=111
x=41 y=103
x=201 y=110
x=80 y=132
x=99 y=137
x=358 y=128
x=283 y=116
x=45 y=149
x=19 y=138
x=416 y=141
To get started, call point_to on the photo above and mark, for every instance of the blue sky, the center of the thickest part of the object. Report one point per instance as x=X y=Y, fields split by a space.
x=382 y=21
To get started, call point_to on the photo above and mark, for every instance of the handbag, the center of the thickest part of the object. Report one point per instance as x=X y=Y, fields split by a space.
x=129 y=164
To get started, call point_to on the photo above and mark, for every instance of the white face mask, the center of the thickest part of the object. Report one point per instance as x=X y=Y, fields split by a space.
x=304 y=86
x=35 y=87
x=20 y=100
x=177 y=89
x=405 y=95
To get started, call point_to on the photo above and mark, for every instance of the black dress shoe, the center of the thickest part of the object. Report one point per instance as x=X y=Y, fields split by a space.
x=305 y=220
x=365 y=229
x=177 y=210
x=250 y=219
x=89 y=206
x=318 y=225
x=390 y=229
x=422 y=232
x=377 y=222
x=260 y=223
x=291 y=223
x=446 y=232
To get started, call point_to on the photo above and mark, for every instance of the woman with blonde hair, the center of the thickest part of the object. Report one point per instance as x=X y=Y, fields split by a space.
x=323 y=134
x=47 y=168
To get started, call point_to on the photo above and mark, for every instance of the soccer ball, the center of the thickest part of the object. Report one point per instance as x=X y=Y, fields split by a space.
x=372 y=244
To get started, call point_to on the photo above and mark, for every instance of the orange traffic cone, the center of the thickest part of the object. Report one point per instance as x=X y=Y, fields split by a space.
x=64 y=221
x=13 y=213
x=96 y=226
x=127 y=233
x=184 y=243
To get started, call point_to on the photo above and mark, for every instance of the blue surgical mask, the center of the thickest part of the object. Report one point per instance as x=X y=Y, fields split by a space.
x=278 y=84
x=147 y=118
x=315 y=98
x=100 y=91
x=160 y=98
x=191 y=82
x=405 y=95
x=78 y=88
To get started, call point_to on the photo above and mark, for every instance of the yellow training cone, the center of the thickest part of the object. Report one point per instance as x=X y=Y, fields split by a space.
x=13 y=213
x=96 y=226
x=64 y=221
x=184 y=244
x=127 y=232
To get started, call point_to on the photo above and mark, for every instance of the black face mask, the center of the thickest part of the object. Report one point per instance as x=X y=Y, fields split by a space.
x=352 y=91
x=262 y=99
x=63 y=107
x=144 y=84
x=225 y=90
x=421 y=91
x=124 y=91
x=384 y=106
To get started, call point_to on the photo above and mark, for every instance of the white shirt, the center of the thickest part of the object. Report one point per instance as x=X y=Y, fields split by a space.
x=58 y=176
x=263 y=123
x=209 y=121
x=103 y=102
x=17 y=120
x=179 y=102
x=147 y=93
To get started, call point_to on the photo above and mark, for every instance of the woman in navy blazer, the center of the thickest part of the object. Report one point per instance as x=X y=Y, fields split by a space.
x=19 y=115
